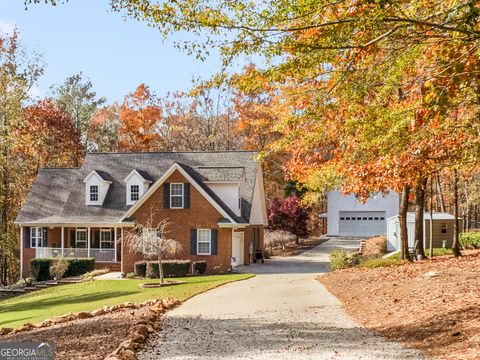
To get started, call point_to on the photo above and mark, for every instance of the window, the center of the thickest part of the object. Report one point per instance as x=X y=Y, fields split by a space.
x=444 y=228
x=347 y=218
x=204 y=237
x=376 y=218
x=176 y=196
x=382 y=218
x=36 y=237
x=370 y=218
x=134 y=192
x=106 y=240
x=365 y=218
x=81 y=238
x=342 y=218
x=93 y=192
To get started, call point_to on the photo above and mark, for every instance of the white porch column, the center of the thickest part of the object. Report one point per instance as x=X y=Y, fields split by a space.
x=62 y=237
x=115 y=243
x=21 y=252
x=88 y=241
x=121 y=249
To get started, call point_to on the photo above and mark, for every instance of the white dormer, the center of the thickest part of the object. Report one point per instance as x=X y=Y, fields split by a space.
x=137 y=183
x=96 y=187
x=229 y=193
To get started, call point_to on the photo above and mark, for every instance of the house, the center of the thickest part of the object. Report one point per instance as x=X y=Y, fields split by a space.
x=213 y=200
x=443 y=225
x=348 y=216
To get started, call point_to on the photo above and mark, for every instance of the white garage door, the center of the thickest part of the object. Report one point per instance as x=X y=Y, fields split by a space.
x=362 y=223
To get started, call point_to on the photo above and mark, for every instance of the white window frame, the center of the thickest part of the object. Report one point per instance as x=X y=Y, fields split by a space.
x=38 y=237
x=81 y=230
x=177 y=195
x=203 y=241
x=97 y=193
x=110 y=241
x=137 y=193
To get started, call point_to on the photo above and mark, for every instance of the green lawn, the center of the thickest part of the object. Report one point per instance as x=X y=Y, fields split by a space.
x=43 y=304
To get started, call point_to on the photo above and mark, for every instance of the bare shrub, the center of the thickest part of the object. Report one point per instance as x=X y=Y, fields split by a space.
x=58 y=267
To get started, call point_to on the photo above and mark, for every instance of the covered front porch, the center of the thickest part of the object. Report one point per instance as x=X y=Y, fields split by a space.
x=103 y=243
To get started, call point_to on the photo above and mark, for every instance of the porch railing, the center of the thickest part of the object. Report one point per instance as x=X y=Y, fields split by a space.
x=100 y=255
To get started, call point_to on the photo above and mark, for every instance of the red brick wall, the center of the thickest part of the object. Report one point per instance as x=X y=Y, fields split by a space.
x=200 y=215
x=28 y=254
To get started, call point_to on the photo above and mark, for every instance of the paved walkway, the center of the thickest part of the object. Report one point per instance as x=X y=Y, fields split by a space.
x=282 y=313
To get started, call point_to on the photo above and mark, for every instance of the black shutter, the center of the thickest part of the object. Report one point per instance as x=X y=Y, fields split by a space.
x=166 y=196
x=186 y=196
x=73 y=242
x=193 y=241
x=45 y=237
x=214 y=235
x=27 y=237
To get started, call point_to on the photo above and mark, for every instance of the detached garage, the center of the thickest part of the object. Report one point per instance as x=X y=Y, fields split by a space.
x=349 y=216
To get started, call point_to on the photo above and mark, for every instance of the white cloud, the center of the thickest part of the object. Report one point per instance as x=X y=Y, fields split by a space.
x=6 y=26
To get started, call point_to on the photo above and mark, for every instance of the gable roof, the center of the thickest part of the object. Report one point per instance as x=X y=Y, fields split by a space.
x=143 y=174
x=60 y=193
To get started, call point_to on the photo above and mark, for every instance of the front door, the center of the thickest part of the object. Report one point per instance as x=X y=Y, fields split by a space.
x=237 y=248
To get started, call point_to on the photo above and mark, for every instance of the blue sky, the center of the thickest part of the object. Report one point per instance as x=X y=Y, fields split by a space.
x=117 y=55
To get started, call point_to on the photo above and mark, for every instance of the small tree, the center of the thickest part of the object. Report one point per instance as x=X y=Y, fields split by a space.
x=287 y=214
x=58 y=268
x=151 y=239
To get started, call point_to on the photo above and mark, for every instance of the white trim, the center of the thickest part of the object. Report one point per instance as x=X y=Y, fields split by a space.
x=134 y=171
x=38 y=230
x=62 y=239
x=90 y=193
x=205 y=241
x=22 y=243
x=96 y=173
x=108 y=231
x=130 y=193
x=115 y=242
x=81 y=229
x=121 y=249
x=160 y=181
x=177 y=195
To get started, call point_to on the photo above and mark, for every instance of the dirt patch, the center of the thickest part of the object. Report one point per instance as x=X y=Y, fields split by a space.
x=92 y=338
x=433 y=305
x=292 y=248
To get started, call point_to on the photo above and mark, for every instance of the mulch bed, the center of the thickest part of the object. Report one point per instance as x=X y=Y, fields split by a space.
x=293 y=248
x=432 y=305
x=92 y=338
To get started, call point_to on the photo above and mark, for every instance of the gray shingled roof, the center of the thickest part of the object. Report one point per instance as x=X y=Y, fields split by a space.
x=58 y=195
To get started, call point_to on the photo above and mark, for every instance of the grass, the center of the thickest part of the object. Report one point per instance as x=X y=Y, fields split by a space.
x=372 y=263
x=43 y=304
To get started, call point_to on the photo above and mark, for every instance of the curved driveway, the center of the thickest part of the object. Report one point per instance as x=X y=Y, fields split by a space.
x=282 y=313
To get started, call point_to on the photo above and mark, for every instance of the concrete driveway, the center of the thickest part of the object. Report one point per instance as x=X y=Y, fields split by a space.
x=282 y=313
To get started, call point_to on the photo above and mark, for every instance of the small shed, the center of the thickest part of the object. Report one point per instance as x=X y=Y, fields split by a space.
x=443 y=224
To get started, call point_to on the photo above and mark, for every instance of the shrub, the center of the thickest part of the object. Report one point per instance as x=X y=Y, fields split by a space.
x=58 y=267
x=140 y=268
x=470 y=240
x=80 y=266
x=40 y=268
x=176 y=268
x=199 y=267
x=171 y=268
x=130 y=275
x=341 y=259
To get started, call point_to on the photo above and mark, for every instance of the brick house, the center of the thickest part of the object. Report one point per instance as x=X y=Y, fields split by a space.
x=214 y=202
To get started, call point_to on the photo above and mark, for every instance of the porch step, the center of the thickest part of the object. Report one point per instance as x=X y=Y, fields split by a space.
x=70 y=280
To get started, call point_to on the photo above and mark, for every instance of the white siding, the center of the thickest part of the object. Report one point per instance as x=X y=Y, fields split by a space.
x=135 y=179
x=103 y=186
x=229 y=193
x=338 y=202
x=258 y=214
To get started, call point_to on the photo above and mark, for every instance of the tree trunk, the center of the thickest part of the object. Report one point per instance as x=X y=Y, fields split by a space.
x=456 y=227
x=419 y=219
x=160 y=267
x=440 y=194
x=404 y=254
x=430 y=232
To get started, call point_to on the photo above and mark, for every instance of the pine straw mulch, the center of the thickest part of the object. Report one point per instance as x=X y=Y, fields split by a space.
x=292 y=248
x=433 y=305
x=92 y=338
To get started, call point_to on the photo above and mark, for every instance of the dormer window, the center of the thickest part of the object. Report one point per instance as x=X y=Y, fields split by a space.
x=97 y=184
x=176 y=196
x=134 y=192
x=94 y=193
x=136 y=184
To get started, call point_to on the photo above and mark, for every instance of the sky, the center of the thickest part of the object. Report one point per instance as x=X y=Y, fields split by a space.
x=116 y=54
